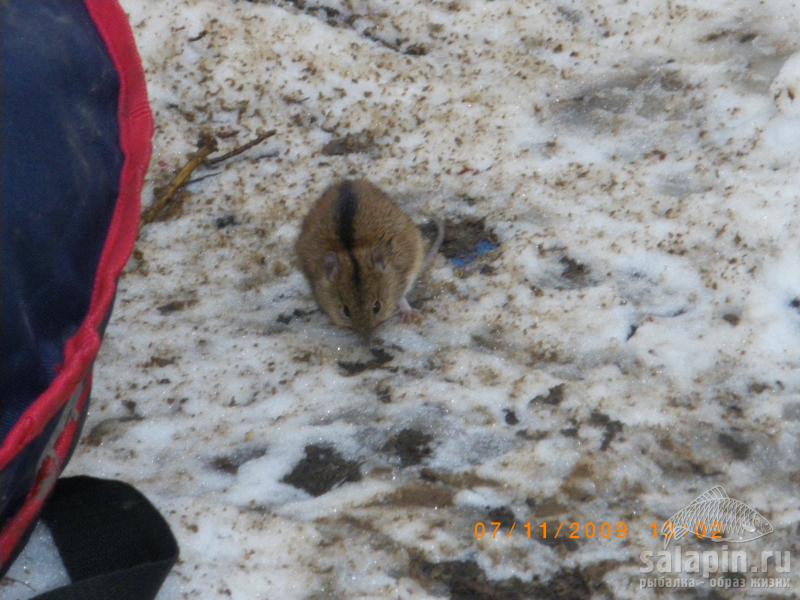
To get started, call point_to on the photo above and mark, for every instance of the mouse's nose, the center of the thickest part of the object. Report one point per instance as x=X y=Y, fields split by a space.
x=362 y=325
x=365 y=334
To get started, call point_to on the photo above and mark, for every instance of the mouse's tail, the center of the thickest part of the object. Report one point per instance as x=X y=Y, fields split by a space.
x=437 y=243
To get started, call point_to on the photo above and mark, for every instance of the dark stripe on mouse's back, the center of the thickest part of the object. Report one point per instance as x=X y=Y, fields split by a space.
x=346 y=207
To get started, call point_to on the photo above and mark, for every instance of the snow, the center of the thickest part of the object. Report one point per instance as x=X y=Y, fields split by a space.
x=638 y=166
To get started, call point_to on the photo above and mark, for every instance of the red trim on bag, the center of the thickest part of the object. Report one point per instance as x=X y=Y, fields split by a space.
x=45 y=480
x=135 y=133
x=18 y=526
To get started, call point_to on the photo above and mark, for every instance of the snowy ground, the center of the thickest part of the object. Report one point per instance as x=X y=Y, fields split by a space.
x=628 y=338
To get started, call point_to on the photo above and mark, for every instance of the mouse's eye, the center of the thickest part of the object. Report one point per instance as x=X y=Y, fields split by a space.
x=346 y=311
x=376 y=308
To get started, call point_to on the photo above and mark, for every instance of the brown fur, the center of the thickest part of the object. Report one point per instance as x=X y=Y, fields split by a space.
x=386 y=246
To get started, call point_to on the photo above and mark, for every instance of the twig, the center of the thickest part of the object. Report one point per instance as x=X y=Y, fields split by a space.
x=243 y=148
x=196 y=179
x=206 y=145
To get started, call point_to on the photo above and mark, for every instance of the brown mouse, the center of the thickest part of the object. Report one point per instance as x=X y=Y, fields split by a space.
x=361 y=255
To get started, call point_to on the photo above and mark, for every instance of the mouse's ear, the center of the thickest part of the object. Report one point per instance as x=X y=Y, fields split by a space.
x=381 y=253
x=332 y=266
x=379 y=258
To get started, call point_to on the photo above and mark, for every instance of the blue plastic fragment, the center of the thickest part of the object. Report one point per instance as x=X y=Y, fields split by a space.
x=482 y=248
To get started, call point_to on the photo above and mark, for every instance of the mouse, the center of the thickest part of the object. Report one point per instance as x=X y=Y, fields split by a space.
x=361 y=254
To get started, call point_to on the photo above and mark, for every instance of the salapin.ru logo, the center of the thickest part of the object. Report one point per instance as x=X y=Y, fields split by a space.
x=716 y=516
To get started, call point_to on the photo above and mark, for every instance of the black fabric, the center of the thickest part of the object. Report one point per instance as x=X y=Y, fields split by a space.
x=114 y=543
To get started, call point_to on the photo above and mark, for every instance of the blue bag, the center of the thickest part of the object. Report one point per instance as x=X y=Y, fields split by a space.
x=75 y=131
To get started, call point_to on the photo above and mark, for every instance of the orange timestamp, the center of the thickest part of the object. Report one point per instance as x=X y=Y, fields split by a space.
x=566 y=530
x=572 y=530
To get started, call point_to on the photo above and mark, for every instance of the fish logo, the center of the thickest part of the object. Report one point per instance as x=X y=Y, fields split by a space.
x=716 y=516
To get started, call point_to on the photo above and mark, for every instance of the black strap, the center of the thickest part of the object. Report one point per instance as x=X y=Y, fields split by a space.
x=113 y=542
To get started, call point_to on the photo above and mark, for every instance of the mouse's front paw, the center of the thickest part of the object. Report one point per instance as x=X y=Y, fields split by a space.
x=408 y=314
x=413 y=316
